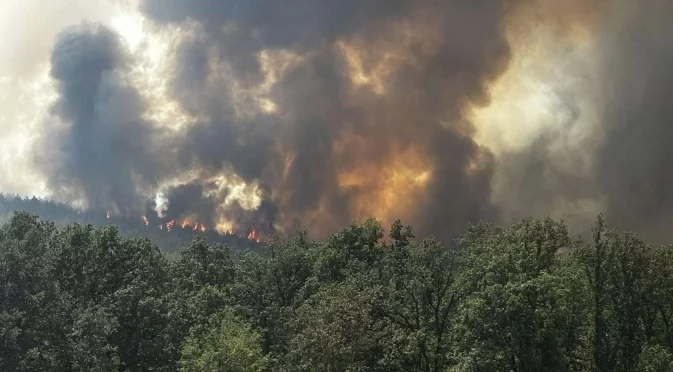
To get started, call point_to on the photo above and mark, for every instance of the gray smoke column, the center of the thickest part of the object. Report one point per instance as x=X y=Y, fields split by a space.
x=635 y=157
x=368 y=113
x=97 y=148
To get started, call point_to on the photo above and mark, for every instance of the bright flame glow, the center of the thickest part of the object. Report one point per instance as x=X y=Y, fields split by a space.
x=253 y=235
x=248 y=196
x=386 y=190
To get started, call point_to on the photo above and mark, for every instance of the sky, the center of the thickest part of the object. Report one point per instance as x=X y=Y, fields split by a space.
x=316 y=113
x=30 y=28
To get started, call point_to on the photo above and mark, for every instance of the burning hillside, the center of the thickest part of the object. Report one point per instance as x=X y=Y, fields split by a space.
x=187 y=225
x=240 y=116
x=151 y=227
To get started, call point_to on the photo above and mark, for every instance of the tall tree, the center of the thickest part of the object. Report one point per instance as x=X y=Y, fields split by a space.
x=418 y=300
x=519 y=305
x=226 y=343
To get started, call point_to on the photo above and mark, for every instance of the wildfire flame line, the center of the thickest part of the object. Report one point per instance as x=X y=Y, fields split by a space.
x=196 y=227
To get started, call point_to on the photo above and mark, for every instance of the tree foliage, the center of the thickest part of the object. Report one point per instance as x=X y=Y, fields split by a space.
x=224 y=343
x=526 y=297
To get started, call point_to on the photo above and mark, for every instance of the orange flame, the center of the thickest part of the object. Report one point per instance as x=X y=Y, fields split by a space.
x=199 y=227
x=184 y=225
x=146 y=221
x=253 y=235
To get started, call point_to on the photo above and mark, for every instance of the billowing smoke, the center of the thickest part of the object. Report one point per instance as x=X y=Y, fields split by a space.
x=362 y=114
x=316 y=113
x=610 y=150
x=367 y=116
x=97 y=146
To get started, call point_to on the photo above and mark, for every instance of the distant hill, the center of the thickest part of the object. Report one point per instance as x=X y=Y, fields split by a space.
x=168 y=240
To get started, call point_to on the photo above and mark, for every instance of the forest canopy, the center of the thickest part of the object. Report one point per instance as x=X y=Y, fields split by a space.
x=526 y=297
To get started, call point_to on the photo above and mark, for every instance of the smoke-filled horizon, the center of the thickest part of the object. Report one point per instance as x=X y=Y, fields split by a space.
x=318 y=113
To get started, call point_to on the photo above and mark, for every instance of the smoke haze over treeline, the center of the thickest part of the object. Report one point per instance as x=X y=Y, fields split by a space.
x=317 y=113
x=169 y=239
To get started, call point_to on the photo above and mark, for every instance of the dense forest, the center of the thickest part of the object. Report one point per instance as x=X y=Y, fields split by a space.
x=527 y=297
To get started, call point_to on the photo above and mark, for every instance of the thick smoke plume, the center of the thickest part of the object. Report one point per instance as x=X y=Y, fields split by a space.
x=611 y=151
x=365 y=116
x=368 y=112
x=97 y=145
x=324 y=112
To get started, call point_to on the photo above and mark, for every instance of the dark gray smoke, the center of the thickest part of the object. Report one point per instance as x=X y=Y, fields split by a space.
x=329 y=126
x=636 y=157
x=202 y=202
x=97 y=147
x=189 y=199
x=334 y=150
x=350 y=140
